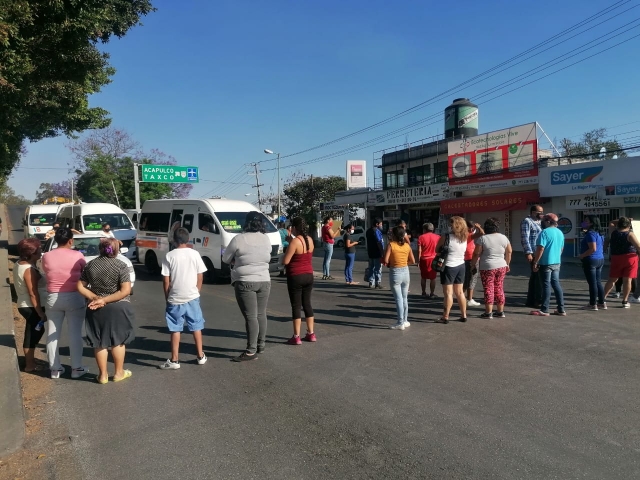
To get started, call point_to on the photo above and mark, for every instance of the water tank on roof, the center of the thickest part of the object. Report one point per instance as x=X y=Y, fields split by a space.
x=461 y=118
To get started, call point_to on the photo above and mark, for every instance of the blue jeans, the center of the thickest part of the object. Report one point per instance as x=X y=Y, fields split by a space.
x=593 y=271
x=551 y=279
x=326 y=263
x=399 y=284
x=375 y=271
x=349 y=260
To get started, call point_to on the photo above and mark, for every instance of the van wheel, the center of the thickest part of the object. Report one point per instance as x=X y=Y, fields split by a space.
x=151 y=263
x=210 y=276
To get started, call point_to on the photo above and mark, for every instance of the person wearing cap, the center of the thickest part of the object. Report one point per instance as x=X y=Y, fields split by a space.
x=547 y=260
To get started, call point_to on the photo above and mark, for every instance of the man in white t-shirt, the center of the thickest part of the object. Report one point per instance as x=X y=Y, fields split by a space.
x=182 y=276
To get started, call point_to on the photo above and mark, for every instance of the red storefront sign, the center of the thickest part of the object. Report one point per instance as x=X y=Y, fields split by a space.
x=491 y=203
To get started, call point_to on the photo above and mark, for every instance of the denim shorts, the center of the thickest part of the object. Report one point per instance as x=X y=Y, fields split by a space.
x=190 y=311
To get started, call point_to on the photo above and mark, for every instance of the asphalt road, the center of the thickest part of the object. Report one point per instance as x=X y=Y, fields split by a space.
x=521 y=397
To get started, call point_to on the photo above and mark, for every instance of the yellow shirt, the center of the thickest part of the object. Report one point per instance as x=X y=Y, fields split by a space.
x=399 y=255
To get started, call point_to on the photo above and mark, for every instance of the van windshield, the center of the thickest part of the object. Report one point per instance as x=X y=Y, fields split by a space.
x=42 y=219
x=233 y=222
x=117 y=221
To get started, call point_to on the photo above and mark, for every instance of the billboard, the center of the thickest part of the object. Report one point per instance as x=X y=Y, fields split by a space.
x=356 y=174
x=496 y=159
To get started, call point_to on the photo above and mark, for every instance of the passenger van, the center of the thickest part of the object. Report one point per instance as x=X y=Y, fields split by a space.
x=134 y=215
x=211 y=223
x=89 y=217
x=38 y=220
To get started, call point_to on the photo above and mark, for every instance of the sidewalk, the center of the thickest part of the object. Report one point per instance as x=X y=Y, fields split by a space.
x=11 y=411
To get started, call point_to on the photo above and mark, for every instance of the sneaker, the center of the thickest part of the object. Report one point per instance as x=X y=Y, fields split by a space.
x=559 y=313
x=633 y=299
x=590 y=307
x=615 y=294
x=539 y=313
x=329 y=277
x=602 y=306
x=295 y=340
x=79 y=372
x=202 y=360
x=371 y=285
x=169 y=365
x=626 y=305
x=260 y=349
x=499 y=315
x=244 y=357
x=487 y=315
x=397 y=326
x=473 y=303
x=57 y=373
x=310 y=337
x=463 y=319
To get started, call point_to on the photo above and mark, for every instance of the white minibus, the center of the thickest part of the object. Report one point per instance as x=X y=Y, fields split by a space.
x=38 y=220
x=89 y=218
x=212 y=224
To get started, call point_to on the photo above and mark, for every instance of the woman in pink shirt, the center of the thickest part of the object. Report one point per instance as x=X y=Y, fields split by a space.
x=62 y=267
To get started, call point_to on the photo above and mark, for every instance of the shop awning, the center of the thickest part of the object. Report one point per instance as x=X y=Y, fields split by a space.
x=491 y=203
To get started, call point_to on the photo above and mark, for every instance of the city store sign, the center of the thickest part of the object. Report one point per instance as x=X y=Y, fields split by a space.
x=596 y=201
x=408 y=195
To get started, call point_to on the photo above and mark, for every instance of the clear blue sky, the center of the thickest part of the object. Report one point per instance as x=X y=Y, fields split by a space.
x=214 y=83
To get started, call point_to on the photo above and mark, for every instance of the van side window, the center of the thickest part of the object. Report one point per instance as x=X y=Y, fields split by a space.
x=155 y=222
x=206 y=223
x=187 y=222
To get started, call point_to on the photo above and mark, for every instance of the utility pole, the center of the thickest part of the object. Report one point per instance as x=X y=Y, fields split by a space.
x=258 y=184
x=136 y=183
x=279 y=208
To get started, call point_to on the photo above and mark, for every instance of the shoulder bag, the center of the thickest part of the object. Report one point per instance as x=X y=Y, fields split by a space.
x=438 y=262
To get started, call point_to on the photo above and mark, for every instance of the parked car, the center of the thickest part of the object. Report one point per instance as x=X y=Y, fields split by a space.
x=358 y=236
x=87 y=244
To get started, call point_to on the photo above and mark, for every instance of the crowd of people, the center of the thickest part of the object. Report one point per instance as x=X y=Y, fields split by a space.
x=95 y=295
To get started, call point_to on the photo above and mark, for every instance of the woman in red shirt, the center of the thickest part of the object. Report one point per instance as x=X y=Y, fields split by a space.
x=426 y=253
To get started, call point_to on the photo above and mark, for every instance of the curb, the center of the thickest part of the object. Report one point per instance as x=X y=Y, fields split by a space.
x=11 y=407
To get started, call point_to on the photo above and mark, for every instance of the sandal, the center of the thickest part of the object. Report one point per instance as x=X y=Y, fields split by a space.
x=127 y=374
x=102 y=382
x=444 y=320
x=463 y=319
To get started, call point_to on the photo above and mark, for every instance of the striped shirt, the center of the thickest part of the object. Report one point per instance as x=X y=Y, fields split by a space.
x=529 y=232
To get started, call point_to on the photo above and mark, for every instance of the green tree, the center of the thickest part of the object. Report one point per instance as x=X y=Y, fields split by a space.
x=8 y=196
x=303 y=195
x=589 y=146
x=50 y=63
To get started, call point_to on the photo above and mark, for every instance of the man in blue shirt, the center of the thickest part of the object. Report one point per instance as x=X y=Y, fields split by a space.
x=546 y=260
x=529 y=231
x=375 y=252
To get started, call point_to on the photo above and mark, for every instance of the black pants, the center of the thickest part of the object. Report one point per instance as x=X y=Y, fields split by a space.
x=300 y=287
x=619 y=285
x=31 y=335
x=534 y=293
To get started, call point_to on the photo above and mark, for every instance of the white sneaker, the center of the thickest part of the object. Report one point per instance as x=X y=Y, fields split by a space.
x=615 y=294
x=626 y=305
x=406 y=324
x=473 y=303
x=633 y=299
x=57 y=373
x=203 y=360
x=79 y=372
x=169 y=365
x=397 y=326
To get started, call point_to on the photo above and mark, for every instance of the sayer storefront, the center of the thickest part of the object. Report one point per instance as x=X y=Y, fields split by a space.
x=608 y=188
x=495 y=175
x=509 y=208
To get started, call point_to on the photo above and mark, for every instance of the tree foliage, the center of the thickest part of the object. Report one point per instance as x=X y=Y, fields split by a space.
x=8 y=196
x=589 y=146
x=303 y=194
x=104 y=162
x=50 y=64
x=49 y=190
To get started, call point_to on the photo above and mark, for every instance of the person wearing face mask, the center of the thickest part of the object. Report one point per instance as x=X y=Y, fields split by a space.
x=529 y=232
x=592 y=257
x=547 y=259
x=108 y=233
x=349 y=255
x=327 y=243
x=375 y=252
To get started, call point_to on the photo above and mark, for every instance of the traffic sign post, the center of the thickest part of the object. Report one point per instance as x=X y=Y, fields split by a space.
x=169 y=174
x=162 y=174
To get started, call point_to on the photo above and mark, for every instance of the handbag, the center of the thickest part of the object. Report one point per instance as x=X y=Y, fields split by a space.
x=441 y=257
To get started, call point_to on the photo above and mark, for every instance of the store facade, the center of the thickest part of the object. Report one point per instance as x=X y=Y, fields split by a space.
x=606 y=188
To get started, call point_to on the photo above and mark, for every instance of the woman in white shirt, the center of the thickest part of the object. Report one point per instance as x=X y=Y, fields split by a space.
x=452 y=277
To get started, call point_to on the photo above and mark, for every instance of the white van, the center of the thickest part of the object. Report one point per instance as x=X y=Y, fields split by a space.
x=38 y=220
x=89 y=218
x=133 y=214
x=211 y=223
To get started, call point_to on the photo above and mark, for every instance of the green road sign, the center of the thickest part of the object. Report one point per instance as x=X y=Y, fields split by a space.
x=169 y=174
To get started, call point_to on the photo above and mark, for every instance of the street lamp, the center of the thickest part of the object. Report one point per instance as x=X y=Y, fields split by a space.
x=269 y=152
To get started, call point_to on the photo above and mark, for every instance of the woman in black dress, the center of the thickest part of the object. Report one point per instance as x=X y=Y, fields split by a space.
x=106 y=283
